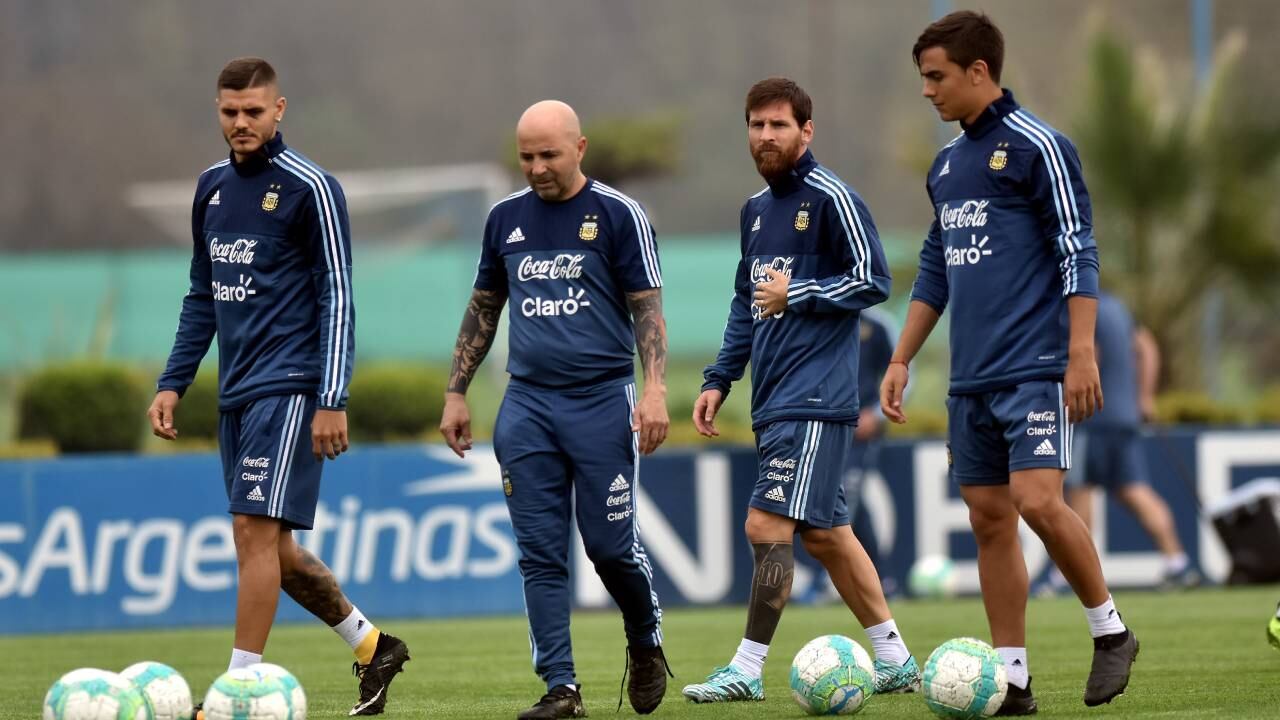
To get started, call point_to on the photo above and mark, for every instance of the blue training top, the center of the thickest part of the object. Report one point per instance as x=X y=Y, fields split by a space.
x=566 y=267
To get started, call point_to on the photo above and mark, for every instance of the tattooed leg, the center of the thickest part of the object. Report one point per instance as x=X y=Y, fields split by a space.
x=770 y=589
x=310 y=582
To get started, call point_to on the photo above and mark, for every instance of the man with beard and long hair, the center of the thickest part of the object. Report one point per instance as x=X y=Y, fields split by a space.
x=811 y=262
x=271 y=277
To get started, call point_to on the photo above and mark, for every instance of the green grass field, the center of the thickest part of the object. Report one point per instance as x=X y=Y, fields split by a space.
x=1203 y=655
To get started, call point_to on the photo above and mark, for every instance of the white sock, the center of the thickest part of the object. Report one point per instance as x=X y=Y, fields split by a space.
x=1104 y=619
x=1278 y=611
x=887 y=643
x=243 y=658
x=355 y=628
x=750 y=658
x=1015 y=665
x=1174 y=564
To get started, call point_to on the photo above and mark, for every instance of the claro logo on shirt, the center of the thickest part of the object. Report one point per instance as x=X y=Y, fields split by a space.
x=226 y=292
x=547 y=307
x=971 y=255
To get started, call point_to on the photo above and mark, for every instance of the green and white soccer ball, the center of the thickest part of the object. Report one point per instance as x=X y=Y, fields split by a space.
x=91 y=694
x=932 y=576
x=244 y=694
x=832 y=675
x=165 y=691
x=297 y=698
x=964 y=679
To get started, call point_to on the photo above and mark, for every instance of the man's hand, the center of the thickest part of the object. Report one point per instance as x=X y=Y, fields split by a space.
x=868 y=427
x=161 y=414
x=1082 y=385
x=704 y=412
x=455 y=423
x=329 y=434
x=651 y=419
x=771 y=296
x=891 y=390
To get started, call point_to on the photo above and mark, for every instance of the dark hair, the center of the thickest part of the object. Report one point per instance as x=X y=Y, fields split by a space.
x=246 y=72
x=779 y=89
x=967 y=37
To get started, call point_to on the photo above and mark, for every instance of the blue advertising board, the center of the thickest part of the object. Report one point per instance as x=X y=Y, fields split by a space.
x=409 y=531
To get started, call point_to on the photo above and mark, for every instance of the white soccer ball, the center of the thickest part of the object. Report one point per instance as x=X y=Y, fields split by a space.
x=832 y=675
x=244 y=694
x=932 y=576
x=297 y=698
x=92 y=694
x=166 y=692
x=964 y=679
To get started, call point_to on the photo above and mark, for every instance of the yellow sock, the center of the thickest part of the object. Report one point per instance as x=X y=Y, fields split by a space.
x=364 y=651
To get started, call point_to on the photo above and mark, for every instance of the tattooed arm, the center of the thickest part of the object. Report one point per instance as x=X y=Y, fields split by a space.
x=475 y=337
x=651 y=340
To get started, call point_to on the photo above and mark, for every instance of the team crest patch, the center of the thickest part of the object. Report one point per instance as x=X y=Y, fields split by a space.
x=950 y=462
x=1000 y=158
x=590 y=229
x=802 y=217
x=271 y=200
x=506 y=483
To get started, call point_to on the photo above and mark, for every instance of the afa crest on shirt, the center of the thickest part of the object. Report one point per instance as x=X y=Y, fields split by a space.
x=802 y=217
x=1000 y=158
x=507 y=489
x=271 y=200
x=590 y=229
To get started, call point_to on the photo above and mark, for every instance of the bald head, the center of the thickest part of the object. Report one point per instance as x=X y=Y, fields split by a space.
x=550 y=143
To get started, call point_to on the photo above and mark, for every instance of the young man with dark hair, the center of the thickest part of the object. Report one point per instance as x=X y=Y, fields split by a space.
x=577 y=263
x=271 y=277
x=811 y=262
x=1011 y=251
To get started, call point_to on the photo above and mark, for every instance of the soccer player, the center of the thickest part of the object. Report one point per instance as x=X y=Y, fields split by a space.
x=811 y=261
x=271 y=277
x=1011 y=252
x=1111 y=445
x=576 y=262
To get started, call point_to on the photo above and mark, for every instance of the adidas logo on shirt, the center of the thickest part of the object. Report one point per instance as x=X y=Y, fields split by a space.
x=619 y=484
x=776 y=495
x=756 y=225
x=515 y=236
x=255 y=494
x=1045 y=448
x=217 y=198
x=946 y=168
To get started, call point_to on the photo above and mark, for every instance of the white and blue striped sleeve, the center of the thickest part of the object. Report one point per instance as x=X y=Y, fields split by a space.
x=865 y=280
x=1061 y=202
x=634 y=251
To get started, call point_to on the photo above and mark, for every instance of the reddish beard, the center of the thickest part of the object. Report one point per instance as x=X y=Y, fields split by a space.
x=775 y=164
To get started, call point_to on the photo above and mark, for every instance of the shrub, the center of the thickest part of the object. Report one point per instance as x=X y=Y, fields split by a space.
x=197 y=415
x=1195 y=408
x=395 y=402
x=84 y=407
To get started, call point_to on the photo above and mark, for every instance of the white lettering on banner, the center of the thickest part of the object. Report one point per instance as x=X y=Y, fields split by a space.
x=239 y=252
x=10 y=571
x=1046 y=416
x=970 y=214
x=701 y=575
x=1216 y=454
x=562 y=267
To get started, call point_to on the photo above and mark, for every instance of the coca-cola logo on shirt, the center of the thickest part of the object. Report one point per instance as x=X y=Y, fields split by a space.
x=562 y=267
x=239 y=252
x=970 y=214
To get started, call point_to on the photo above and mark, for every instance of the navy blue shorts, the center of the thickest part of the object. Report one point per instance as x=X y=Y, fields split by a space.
x=1108 y=457
x=993 y=434
x=267 y=463
x=802 y=469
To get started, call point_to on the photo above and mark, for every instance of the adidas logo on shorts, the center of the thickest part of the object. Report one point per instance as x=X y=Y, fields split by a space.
x=1045 y=448
x=776 y=495
x=619 y=484
x=255 y=494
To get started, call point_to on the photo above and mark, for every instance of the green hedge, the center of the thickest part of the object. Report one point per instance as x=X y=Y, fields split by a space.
x=395 y=402
x=84 y=407
x=197 y=415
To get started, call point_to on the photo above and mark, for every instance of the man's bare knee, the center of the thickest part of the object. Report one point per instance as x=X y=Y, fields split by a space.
x=820 y=543
x=1038 y=508
x=254 y=533
x=762 y=526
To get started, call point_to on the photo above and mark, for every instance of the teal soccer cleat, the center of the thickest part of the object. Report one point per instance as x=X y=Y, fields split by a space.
x=904 y=678
x=726 y=684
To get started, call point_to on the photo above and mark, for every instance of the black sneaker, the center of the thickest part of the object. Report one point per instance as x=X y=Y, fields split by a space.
x=197 y=712
x=389 y=657
x=560 y=701
x=1018 y=701
x=1113 y=657
x=648 y=670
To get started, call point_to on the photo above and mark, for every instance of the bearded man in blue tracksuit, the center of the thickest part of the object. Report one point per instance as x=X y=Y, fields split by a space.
x=271 y=277
x=1011 y=253
x=811 y=261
